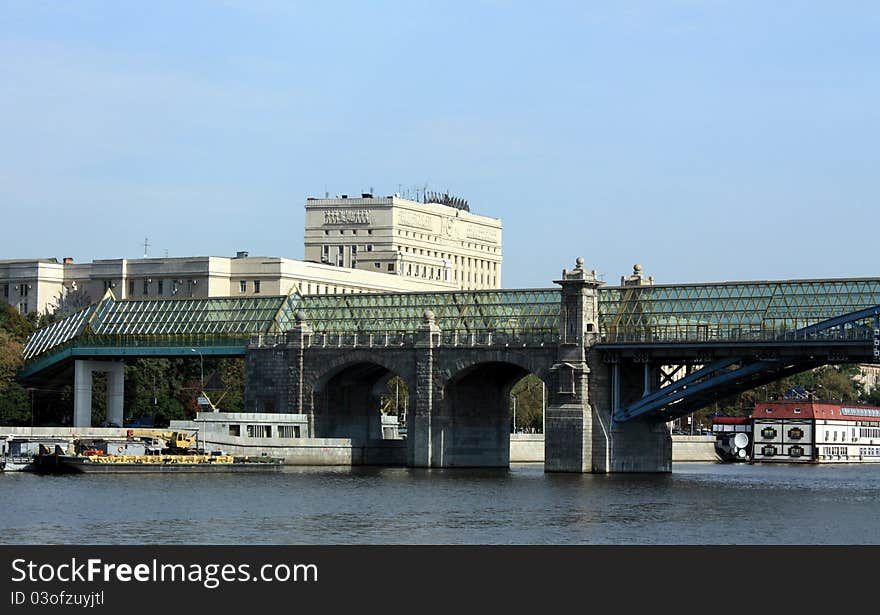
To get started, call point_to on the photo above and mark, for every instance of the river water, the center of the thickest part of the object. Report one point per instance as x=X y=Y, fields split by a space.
x=696 y=504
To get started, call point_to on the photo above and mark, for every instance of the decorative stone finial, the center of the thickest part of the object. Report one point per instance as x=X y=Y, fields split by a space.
x=637 y=269
x=429 y=317
x=579 y=262
x=299 y=316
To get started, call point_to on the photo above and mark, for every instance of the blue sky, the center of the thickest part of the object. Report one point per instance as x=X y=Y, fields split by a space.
x=707 y=140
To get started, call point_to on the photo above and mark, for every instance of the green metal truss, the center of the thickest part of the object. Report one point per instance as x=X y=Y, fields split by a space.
x=727 y=312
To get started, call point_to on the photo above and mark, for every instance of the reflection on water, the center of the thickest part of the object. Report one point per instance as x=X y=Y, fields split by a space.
x=696 y=504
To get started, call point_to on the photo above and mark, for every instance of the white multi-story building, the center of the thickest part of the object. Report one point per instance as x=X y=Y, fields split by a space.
x=31 y=285
x=37 y=285
x=438 y=241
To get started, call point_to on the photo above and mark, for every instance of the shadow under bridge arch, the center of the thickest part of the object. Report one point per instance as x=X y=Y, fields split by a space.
x=474 y=420
x=361 y=400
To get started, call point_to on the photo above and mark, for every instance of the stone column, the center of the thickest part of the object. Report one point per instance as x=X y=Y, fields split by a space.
x=575 y=437
x=298 y=339
x=82 y=391
x=419 y=435
x=640 y=445
x=82 y=394
x=115 y=392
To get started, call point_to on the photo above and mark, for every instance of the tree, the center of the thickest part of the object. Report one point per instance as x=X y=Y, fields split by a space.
x=70 y=301
x=528 y=394
x=15 y=404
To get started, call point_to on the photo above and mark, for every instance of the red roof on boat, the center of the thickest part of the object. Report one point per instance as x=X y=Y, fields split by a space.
x=731 y=420
x=808 y=409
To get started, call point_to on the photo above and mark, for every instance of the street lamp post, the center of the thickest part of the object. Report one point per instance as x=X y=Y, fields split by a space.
x=201 y=387
x=201 y=368
x=513 y=400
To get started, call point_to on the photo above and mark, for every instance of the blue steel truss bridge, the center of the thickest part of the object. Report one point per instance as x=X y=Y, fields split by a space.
x=698 y=343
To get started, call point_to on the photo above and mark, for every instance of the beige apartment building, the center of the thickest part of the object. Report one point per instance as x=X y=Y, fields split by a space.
x=439 y=241
x=37 y=285
x=31 y=285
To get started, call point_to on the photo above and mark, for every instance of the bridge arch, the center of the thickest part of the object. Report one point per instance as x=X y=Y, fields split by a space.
x=348 y=392
x=472 y=423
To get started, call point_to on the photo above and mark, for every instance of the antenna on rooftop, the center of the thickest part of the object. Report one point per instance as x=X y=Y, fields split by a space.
x=146 y=246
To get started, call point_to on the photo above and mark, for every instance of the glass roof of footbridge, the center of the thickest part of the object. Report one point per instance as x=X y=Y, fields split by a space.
x=534 y=311
x=727 y=311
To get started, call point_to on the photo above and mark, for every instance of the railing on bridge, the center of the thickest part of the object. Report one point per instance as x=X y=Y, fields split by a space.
x=733 y=311
x=390 y=339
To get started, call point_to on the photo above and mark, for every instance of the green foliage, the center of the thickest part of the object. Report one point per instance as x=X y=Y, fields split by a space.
x=166 y=389
x=231 y=372
x=15 y=406
x=529 y=404
x=872 y=398
x=395 y=399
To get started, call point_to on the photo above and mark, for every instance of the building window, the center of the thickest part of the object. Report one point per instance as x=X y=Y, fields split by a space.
x=235 y=430
x=390 y=266
x=24 y=291
x=146 y=287
x=161 y=287
x=6 y=291
x=377 y=265
x=259 y=431
x=288 y=431
x=256 y=286
x=23 y=308
x=131 y=287
x=369 y=247
x=242 y=286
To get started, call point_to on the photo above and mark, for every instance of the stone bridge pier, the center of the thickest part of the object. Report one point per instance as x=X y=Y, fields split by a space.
x=580 y=434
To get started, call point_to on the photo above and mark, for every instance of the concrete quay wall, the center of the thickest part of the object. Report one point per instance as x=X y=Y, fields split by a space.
x=530 y=448
x=64 y=432
x=524 y=448
x=313 y=451
x=693 y=448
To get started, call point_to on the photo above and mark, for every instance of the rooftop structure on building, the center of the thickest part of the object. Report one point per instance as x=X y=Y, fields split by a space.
x=437 y=240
